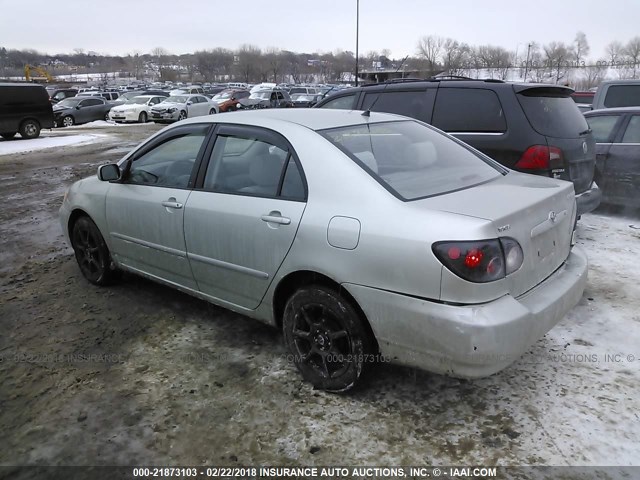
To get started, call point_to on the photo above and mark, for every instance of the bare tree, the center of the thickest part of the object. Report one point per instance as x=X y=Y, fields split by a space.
x=580 y=48
x=557 y=56
x=275 y=62
x=429 y=48
x=594 y=74
x=454 y=56
x=248 y=62
x=632 y=54
x=214 y=63
x=614 y=51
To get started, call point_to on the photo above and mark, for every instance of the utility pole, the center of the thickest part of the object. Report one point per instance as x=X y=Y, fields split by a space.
x=526 y=65
x=357 y=34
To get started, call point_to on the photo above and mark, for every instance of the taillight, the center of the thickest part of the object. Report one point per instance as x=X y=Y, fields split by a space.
x=540 y=157
x=480 y=261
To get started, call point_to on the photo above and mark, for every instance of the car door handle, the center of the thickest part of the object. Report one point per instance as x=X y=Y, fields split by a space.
x=171 y=203
x=271 y=218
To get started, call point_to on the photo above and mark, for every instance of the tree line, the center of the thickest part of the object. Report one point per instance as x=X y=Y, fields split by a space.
x=556 y=62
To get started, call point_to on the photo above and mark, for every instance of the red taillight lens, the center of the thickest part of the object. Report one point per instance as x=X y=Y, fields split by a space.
x=540 y=157
x=480 y=261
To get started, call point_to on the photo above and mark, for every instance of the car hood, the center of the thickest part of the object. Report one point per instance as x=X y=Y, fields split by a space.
x=124 y=108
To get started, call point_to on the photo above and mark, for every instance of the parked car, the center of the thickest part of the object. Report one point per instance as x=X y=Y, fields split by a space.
x=306 y=100
x=299 y=89
x=186 y=91
x=617 y=134
x=263 y=215
x=80 y=109
x=532 y=128
x=136 y=109
x=229 y=99
x=24 y=109
x=271 y=98
x=179 y=107
x=57 y=94
x=617 y=93
x=583 y=100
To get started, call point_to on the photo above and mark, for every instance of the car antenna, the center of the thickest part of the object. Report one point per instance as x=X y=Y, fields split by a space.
x=367 y=112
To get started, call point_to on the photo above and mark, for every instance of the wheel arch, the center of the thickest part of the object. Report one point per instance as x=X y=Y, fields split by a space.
x=73 y=218
x=293 y=281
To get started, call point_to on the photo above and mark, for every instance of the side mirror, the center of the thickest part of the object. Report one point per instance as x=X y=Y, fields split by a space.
x=233 y=99
x=109 y=172
x=189 y=103
x=77 y=107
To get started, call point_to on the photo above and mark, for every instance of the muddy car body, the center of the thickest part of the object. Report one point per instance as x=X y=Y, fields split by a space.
x=263 y=213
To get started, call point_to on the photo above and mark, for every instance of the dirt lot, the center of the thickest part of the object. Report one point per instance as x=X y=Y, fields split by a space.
x=141 y=374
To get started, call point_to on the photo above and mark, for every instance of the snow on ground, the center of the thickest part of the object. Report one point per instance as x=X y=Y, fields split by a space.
x=102 y=124
x=19 y=145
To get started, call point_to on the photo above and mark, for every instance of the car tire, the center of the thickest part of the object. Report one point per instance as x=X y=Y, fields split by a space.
x=212 y=111
x=8 y=135
x=67 y=121
x=142 y=118
x=30 y=129
x=182 y=115
x=327 y=337
x=92 y=253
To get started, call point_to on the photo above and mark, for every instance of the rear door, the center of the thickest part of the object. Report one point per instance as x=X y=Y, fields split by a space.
x=552 y=113
x=241 y=222
x=604 y=127
x=476 y=116
x=622 y=166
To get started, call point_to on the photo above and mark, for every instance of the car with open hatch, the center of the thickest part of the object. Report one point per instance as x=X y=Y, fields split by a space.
x=361 y=235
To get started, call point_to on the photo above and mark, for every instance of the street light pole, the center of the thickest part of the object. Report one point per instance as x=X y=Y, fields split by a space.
x=357 y=32
x=526 y=65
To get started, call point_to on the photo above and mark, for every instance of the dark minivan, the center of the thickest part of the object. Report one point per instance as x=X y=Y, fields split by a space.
x=24 y=108
x=532 y=128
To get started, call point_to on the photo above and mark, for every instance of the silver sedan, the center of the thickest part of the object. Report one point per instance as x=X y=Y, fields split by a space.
x=363 y=236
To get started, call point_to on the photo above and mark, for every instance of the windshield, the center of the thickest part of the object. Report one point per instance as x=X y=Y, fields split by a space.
x=68 y=102
x=223 y=95
x=137 y=101
x=412 y=160
x=129 y=95
x=175 y=99
x=261 y=95
x=302 y=97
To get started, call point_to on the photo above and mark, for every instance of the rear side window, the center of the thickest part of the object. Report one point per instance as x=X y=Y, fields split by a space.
x=622 y=96
x=410 y=104
x=632 y=135
x=342 y=103
x=469 y=110
x=552 y=113
x=602 y=127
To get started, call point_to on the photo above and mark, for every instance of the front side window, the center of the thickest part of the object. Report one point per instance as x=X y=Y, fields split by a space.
x=342 y=103
x=246 y=165
x=412 y=160
x=632 y=134
x=602 y=127
x=468 y=110
x=169 y=164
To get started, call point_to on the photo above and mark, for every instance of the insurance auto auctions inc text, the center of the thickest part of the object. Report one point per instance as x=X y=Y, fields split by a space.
x=379 y=472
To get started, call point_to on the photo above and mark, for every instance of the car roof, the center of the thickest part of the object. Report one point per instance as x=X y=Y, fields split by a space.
x=314 y=119
x=146 y=96
x=614 y=110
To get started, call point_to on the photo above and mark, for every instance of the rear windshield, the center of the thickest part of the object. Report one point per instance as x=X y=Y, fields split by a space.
x=588 y=99
x=622 y=96
x=551 y=114
x=411 y=160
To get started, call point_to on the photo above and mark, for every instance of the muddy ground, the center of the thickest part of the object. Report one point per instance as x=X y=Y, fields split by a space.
x=141 y=374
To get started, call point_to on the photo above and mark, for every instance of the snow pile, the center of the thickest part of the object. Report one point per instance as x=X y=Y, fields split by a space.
x=18 y=145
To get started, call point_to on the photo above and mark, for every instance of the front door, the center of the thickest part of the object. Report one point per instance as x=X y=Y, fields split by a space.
x=145 y=212
x=623 y=165
x=241 y=223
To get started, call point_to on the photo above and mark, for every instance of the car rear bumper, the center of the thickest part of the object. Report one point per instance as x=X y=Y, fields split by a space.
x=589 y=200
x=470 y=341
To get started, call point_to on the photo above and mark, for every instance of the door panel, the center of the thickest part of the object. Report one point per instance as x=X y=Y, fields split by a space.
x=148 y=235
x=622 y=165
x=234 y=252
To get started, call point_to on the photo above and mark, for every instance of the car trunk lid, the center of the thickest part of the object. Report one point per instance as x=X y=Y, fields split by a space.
x=538 y=213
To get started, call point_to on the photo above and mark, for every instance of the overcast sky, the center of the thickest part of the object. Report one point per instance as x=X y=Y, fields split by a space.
x=181 y=26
